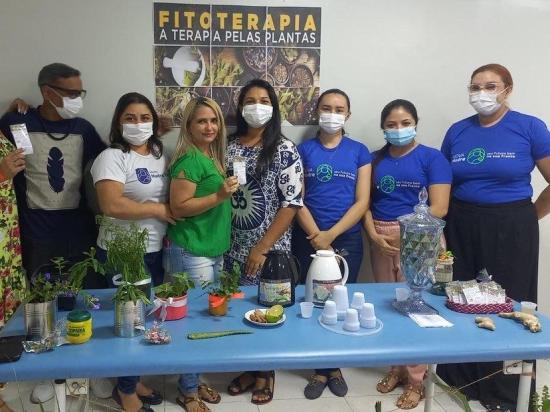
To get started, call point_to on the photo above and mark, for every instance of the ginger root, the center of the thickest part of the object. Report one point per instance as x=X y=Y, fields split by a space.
x=485 y=323
x=531 y=322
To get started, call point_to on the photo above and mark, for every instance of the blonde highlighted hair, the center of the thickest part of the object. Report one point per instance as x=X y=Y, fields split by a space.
x=185 y=139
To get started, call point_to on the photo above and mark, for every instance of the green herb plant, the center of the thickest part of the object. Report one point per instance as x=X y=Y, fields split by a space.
x=179 y=286
x=42 y=289
x=126 y=247
x=541 y=403
x=226 y=285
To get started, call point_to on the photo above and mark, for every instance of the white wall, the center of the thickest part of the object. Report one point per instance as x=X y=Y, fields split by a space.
x=422 y=50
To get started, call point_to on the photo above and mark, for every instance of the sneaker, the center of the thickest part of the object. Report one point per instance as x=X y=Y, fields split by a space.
x=42 y=392
x=102 y=388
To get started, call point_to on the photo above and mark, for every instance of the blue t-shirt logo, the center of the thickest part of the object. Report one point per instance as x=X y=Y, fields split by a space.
x=476 y=156
x=324 y=172
x=387 y=184
x=143 y=175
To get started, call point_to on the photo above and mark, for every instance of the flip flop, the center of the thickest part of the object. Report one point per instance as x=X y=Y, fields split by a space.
x=236 y=383
x=213 y=395
x=267 y=391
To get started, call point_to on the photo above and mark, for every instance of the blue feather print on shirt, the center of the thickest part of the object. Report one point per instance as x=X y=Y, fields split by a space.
x=55 y=170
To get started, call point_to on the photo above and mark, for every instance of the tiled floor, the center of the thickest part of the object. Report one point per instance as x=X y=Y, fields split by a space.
x=289 y=397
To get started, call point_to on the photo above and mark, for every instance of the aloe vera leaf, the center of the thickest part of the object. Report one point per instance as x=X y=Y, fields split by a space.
x=208 y=335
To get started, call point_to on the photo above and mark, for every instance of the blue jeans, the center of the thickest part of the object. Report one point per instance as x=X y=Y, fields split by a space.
x=200 y=269
x=350 y=246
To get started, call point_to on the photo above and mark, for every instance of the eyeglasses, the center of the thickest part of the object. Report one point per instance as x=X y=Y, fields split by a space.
x=490 y=87
x=69 y=92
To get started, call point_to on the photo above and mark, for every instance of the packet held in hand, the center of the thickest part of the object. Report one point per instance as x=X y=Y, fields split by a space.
x=239 y=169
x=21 y=137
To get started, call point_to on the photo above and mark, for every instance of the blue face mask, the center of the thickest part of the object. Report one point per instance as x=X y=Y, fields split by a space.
x=400 y=137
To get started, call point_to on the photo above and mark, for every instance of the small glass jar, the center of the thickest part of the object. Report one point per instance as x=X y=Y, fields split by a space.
x=79 y=326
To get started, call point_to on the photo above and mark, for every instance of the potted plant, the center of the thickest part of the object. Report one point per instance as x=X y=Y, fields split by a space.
x=71 y=279
x=40 y=307
x=126 y=247
x=130 y=303
x=171 y=297
x=222 y=290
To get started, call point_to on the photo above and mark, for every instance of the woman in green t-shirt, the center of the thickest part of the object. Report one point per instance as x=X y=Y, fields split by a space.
x=199 y=199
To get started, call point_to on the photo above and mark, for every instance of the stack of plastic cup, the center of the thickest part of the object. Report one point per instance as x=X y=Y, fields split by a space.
x=329 y=316
x=340 y=296
x=367 y=318
x=351 y=323
x=357 y=301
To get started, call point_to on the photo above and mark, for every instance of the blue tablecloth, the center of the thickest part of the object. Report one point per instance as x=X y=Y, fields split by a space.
x=296 y=344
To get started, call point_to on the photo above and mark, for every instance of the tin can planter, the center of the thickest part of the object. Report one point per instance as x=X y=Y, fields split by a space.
x=40 y=319
x=218 y=305
x=129 y=318
x=171 y=308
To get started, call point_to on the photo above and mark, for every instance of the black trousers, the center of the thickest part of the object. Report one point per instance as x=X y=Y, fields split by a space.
x=504 y=239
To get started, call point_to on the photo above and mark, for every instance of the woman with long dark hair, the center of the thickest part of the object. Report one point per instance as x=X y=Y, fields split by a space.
x=336 y=194
x=400 y=170
x=492 y=221
x=264 y=206
x=132 y=186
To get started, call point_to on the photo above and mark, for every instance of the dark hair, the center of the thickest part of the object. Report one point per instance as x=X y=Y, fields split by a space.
x=498 y=69
x=333 y=91
x=272 y=134
x=394 y=104
x=50 y=73
x=115 y=135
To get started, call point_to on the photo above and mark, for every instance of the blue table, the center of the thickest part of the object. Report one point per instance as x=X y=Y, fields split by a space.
x=296 y=344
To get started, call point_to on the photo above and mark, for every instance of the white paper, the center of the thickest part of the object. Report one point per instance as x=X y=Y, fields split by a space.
x=239 y=170
x=21 y=138
x=430 y=321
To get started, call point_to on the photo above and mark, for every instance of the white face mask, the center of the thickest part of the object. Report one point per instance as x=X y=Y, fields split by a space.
x=257 y=115
x=137 y=133
x=71 y=107
x=331 y=123
x=485 y=103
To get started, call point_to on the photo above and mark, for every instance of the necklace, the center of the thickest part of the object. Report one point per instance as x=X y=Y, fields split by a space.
x=48 y=133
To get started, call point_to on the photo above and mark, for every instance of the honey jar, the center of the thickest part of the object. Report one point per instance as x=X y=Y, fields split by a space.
x=79 y=326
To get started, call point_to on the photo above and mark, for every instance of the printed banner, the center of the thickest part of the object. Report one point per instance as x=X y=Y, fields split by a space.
x=213 y=50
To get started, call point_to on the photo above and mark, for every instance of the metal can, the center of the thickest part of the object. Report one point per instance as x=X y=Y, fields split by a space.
x=79 y=326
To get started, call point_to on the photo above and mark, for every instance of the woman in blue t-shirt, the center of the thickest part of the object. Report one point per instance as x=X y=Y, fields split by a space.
x=336 y=194
x=492 y=222
x=400 y=170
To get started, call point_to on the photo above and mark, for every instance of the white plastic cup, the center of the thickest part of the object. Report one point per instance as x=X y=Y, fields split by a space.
x=401 y=294
x=351 y=323
x=306 y=309
x=357 y=300
x=528 y=307
x=329 y=316
x=367 y=311
x=367 y=318
x=340 y=297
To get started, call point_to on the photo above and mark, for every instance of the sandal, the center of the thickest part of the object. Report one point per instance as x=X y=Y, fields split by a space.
x=208 y=394
x=267 y=390
x=389 y=382
x=236 y=386
x=116 y=397
x=315 y=387
x=337 y=384
x=411 y=396
x=188 y=400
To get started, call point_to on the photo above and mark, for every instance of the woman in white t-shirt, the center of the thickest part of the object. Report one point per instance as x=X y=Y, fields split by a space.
x=132 y=186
